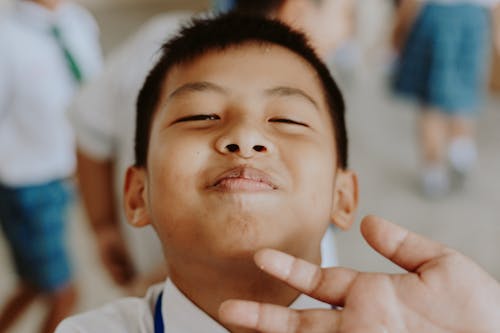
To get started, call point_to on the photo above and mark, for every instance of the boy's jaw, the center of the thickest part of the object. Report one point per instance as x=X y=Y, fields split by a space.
x=243 y=178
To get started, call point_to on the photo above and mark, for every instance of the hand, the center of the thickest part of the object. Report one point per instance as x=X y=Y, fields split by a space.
x=443 y=291
x=114 y=255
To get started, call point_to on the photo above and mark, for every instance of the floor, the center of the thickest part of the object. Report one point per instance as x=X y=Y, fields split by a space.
x=383 y=152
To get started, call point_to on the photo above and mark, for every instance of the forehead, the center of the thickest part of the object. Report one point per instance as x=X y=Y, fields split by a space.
x=248 y=67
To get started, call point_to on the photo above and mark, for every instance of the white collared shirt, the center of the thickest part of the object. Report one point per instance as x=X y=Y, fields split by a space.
x=136 y=315
x=36 y=87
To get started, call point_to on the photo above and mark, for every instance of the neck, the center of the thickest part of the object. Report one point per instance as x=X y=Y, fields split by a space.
x=207 y=287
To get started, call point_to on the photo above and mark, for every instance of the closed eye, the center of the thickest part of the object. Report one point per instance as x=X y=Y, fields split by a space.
x=288 y=121
x=198 y=117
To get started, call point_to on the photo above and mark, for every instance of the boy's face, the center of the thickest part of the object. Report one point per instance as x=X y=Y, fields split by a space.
x=241 y=156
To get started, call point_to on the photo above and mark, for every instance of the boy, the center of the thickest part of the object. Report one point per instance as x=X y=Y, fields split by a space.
x=103 y=117
x=240 y=145
x=47 y=48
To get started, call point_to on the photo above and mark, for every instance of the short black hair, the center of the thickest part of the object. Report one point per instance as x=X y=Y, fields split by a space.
x=203 y=35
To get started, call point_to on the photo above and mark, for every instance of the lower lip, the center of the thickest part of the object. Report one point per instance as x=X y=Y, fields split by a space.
x=242 y=185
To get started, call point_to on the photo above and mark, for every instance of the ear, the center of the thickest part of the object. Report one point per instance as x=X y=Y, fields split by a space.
x=135 y=197
x=345 y=199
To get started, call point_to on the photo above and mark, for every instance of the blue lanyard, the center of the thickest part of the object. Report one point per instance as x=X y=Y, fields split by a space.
x=159 y=327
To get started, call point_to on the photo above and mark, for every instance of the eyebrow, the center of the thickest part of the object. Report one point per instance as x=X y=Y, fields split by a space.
x=289 y=91
x=202 y=86
x=196 y=87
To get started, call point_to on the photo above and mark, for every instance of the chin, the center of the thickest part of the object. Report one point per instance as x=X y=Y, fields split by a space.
x=239 y=234
x=240 y=247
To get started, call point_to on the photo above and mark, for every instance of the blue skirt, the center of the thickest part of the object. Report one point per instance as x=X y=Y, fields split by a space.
x=444 y=61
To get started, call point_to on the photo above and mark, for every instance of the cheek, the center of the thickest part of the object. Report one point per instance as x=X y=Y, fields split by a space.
x=173 y=194
x=175 y=170
x=313 y=169
x=313 y=172
x=177 y=158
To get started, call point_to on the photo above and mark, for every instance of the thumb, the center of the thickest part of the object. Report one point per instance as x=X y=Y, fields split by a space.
x=404 y=248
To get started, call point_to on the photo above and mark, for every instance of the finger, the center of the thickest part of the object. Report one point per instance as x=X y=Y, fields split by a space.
x=405 y=248
x=270 y=318
x=329 y=285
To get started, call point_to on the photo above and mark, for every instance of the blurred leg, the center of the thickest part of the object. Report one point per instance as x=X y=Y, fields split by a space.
x=433 y=132
x=462 y=148
x=16 y=305
x=462 y=151
x=462 y=127
x=61 y=304
x=433 y=129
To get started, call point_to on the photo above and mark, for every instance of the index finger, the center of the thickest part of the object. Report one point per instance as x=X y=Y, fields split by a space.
x=404 y=248
x=326 y=284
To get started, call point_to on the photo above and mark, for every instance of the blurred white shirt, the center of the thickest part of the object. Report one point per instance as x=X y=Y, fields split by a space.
x=136 y=315
x=36 y=87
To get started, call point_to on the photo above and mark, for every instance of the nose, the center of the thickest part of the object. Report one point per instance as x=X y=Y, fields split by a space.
x=243 y=139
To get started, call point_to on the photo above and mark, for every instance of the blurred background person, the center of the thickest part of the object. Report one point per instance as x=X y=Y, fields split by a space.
x=327 y=23
x=48 y=47
x=444 y=51
x=104 y=117
x=346 y=57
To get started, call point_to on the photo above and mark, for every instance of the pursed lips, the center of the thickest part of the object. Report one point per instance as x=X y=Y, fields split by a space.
x=244 y=179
